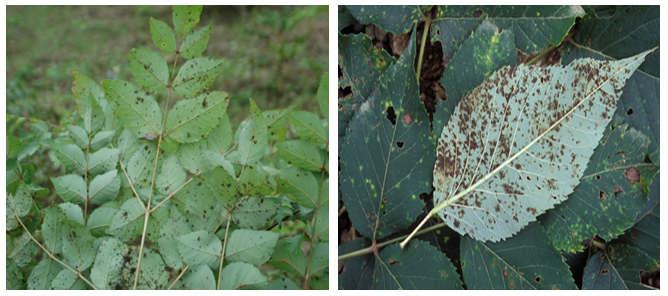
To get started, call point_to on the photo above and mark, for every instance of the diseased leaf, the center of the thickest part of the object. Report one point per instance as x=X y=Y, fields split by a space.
x=526 y=261
x=128 y=221
x=78 y=249
x=195 y=43
x=67 y=280
x=255 y=181
x=43 y=274
x=645 y=234
x=518 y=144
x=387 y=154
x=320 y=260
x=191 y=156
x=220 y=139
x=71 y=188
x=302 y=154
x=358 y=273
x=251 y=246
x=252 y=136
x=72 y=212
x=15 y=279
x=185 y=17
x=254 y=212
x=300 y=185
x=223 y=186
x=283 y=283
x=607 y=201
x=79 y=135
x=308 y=126
x=128 y=145
x=163 y=36
x=101 y=139
x=616 y=268
x=14 y=146
x=289 y=256
x=53 y=238
x=202 y=209
x=140 y=166
x=275 y=119
x=322 y=225
x=103 y=161
x=20 y=203
x=172 y=175
x=23 y=249
x=149 y=69
x=135 y=108
x=242 y=276
x=106 y=273
x=191 y=120
x=199 y=277
x=104 y=188
x=397 y=19
x=100 y=220
x=87 y=93
x=152 y=275
x=200 y=247
x=195 y=76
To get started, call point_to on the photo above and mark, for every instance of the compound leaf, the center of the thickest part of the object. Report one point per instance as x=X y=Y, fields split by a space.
x=195 y=76
x=191 y=120
x=242 y=276
x=23 y=249
x=140 y=165
x=387 y=154
x=519 y=143
x=251 y=246
x=255 y=181
x=152 y=274
x=195 y=43
x=163 y=36
x=200 y=247
x=103 y=161
x=135 y=108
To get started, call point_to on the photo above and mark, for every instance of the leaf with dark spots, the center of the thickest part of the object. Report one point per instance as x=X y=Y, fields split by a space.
x=195 y=76
x=192 y=119
x=519 y=131
x=139 y=114
x=373 y=168
x=605 y=203
x=397 y=19
x=149 y=69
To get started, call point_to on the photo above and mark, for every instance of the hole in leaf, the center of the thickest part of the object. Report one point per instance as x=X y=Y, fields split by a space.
x=391 y=116
x=537 y=279
x=340 y=72
x=477 y=13
x=616 y=191
x=601 y=195
x=598 y=177
x=383 y=213
x=392 y=262
x=630 y=112
x=603 y=271
x=344 y=93
x=400 y=144
x=384 y=199
x=647 y=159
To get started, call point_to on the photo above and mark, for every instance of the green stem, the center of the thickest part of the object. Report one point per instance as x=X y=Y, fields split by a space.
x=314 y=235
x=389 y=242
x=533 y=60
x=425 y=32
x=598 y=244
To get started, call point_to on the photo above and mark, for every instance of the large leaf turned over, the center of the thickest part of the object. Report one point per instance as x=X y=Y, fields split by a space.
x=519 y=143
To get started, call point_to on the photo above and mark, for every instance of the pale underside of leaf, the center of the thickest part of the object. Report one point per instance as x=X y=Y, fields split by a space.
x=519 y=143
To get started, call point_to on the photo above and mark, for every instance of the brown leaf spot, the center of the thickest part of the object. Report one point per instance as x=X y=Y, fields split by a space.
x=505 y=274
x=408 y=118
x=632 y=175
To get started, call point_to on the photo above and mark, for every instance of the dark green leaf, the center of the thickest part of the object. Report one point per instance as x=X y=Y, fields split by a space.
x=397 y=19
x=358 y=273
x=617 y=268
x=645 y=234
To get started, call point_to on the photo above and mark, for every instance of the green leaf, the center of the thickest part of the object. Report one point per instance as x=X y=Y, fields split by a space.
x=203 y=210
x=322 y=225
x=212 y=160
x=358 y=272
x=616 y=268
x=103 y=161
x=106 y=272
x=323 y=95
x=163 y=36
x=195 y=76
x=135 y=108
x=275 y=119
x=172 y=175
x=94 y=116
x=19 y=203
x=199 y=277
x=185 y=17
x=149 y=69
x=69 y=154
x=251 y=246
x=53 y=238
x=200 y=247
x=15 y=280
x=223 y=186
x=100 y=220
x=101 y=139
x=345 y=19
x=254 y=212
x=301 y=153
x=156 y=220
x=191 y=120
x=43 y=274
x=255 y=181
x=128 y=221
x=605 y=203
x=397 y=19
x=220 y=139
x=308 y=126
x=283 y=283
x=104 y=188
x=252 y=136
x=176 y=225
x=72 y=212
x=300 y=185
x=525 y=261
x=418 y=266
x=529 y=137
x=128 y=145
x=14 y=146
x=195 y=43
x=67 y=280
x=87 y=93
x=140 y=166
x=78 y=249
x=152 y=274
x=601 y=34
x=71 y=188
x=79 y=135
x=242 y=276
x=376 y=175
x=191 y=156
x=170 y=252
x=320 y=260
x=645 y=234
x=289 y=256
x=486 y=51
x=23 y=249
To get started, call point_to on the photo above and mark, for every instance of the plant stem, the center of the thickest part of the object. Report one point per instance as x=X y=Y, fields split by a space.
x=132 y=185
x=425 y=32
x=342 y=210
x=178 y=277
x=222 y=255
x=598 y=244
x=389 y=242
x=543 y=53
x=314 y=235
